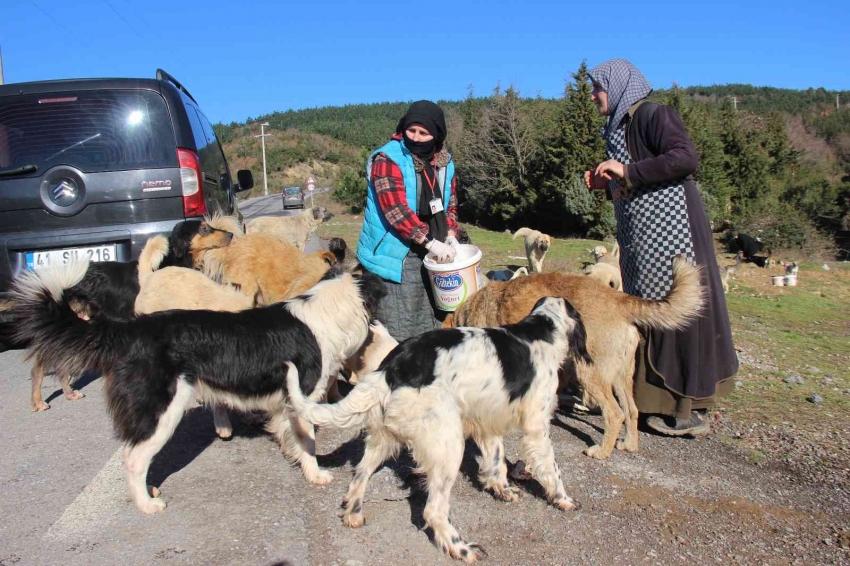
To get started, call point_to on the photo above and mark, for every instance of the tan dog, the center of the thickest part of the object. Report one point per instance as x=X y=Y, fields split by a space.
x=536 y=246
x=294 y=230
x=607 y=267
x=265 y=265
x=611 y=319
x=727 y=272
x=606 y=274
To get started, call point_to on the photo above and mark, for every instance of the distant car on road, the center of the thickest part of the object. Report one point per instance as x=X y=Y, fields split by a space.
x=293 y=197
x=91 y=168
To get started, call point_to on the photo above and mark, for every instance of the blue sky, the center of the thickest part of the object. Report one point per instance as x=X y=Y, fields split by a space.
x=243 y=58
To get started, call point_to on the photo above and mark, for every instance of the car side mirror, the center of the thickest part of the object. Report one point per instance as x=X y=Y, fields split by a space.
x=245 y=180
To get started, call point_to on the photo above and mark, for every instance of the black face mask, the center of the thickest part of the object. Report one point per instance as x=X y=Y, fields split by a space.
x=423 y=150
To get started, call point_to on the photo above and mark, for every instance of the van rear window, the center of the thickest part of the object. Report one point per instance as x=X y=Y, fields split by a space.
x=94 y=131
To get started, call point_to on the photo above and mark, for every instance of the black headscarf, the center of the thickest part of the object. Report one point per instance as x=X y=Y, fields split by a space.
x=430 y=116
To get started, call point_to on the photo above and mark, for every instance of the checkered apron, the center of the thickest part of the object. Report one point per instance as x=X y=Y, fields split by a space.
x=652 y=229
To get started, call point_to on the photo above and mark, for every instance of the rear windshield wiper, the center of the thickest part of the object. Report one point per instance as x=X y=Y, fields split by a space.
x=19 y=171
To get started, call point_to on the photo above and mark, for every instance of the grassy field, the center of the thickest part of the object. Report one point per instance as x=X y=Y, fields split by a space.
x=780 y=332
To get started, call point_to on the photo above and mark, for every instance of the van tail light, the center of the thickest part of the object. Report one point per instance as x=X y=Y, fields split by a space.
x=192 y=180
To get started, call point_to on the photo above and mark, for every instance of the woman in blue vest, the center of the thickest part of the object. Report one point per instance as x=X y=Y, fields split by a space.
x=411 y=210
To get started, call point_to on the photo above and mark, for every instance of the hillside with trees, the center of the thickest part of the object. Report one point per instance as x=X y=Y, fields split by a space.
x=775 y=162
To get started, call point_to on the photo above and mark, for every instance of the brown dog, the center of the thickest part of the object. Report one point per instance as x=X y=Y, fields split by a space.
x=610 y=318
x=263 y=266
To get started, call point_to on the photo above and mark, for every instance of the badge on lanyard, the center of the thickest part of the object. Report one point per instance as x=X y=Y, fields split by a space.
x=435 y=203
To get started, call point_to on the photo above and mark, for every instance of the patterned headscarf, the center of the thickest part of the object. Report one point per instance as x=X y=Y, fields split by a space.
x=625 y=85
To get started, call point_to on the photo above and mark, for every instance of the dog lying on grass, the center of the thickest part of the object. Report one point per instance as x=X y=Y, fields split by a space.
x=438 y=388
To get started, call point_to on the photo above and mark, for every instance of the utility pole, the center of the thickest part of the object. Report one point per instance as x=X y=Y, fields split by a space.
x=837 y=105
x=262 y=137
x=1 y=66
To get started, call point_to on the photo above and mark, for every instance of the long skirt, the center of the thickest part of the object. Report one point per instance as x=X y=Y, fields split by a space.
x=408 y=309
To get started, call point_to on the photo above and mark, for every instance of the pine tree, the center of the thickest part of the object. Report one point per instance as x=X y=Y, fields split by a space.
x=782 y=154
x=575 y=146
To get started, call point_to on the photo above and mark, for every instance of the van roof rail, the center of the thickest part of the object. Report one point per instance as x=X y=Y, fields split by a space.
x=164 y=76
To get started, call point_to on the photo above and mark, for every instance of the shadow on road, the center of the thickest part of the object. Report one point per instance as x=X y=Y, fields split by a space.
x=86 y=379
x=193 y=435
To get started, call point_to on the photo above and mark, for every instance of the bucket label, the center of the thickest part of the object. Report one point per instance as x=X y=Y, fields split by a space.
x=448 y=281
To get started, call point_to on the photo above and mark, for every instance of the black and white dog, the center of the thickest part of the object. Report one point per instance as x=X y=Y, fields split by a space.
x=156 y=364
x=434 y=390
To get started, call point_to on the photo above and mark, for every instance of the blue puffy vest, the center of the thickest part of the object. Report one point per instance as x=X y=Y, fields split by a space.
x=380 y=250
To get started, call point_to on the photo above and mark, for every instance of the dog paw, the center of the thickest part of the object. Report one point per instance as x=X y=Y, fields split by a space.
x=627 y=445
x=597 y=452
x=469 y=553
x=154 y=491
x=151 y=506
x=321 y=477
x=224 y=433
x=74 y=395
x=566 y=504
x=506 y=493
x=39 y=407
x=353 y=520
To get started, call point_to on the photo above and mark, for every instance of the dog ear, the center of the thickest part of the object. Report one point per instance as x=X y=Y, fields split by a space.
x=337 y=246
x=329 y=257
x=180 y=244
x=577 y=337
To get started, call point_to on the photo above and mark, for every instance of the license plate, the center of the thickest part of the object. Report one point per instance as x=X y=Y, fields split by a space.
x=52 y=258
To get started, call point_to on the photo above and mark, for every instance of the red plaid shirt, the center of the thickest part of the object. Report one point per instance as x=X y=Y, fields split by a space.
x=392 y=199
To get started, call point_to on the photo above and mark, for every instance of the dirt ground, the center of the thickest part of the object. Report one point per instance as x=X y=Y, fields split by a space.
x=675 y=501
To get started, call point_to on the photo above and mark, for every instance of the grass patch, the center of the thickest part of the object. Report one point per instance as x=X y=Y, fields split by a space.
x=780 y=331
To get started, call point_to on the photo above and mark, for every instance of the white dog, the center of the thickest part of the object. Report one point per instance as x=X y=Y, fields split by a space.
x=437 y=388
x=536 y=246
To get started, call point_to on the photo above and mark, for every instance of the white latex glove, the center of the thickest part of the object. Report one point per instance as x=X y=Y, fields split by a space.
x=444 y=253
x=452 y=241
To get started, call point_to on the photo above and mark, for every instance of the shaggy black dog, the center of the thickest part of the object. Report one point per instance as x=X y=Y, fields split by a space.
x=156 y=365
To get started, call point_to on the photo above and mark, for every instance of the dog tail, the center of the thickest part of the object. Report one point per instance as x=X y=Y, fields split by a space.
x=47 y=321
x=227 y=223
x=522 y=232
x=682 y=304
x=151 y=257
x=370 y=392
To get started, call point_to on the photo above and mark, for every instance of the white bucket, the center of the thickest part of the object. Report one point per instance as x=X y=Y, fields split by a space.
x=455 y=282
x=778 y=280
x=790 y=280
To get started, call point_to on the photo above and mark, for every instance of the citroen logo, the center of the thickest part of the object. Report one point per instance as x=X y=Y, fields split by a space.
x=64 y=193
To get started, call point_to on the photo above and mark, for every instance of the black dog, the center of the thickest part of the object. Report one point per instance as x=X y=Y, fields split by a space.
x=156 y=365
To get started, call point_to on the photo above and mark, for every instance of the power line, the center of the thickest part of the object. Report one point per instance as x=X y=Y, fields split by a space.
x=70 y=34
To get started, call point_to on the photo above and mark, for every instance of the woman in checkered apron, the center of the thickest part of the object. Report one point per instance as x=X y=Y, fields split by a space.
x=660 y=215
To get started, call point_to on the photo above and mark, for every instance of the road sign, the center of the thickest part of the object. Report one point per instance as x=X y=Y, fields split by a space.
x=311 y=183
